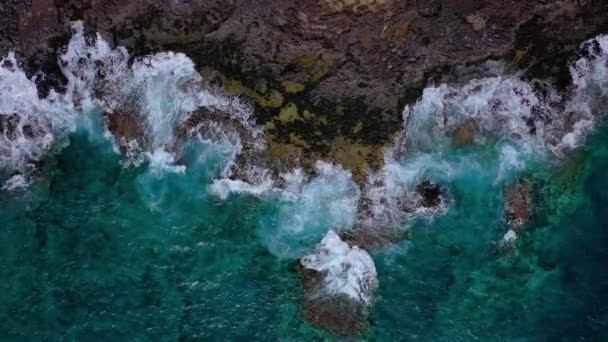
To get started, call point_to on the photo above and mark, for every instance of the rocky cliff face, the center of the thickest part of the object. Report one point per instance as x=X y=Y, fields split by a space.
x=329 y=77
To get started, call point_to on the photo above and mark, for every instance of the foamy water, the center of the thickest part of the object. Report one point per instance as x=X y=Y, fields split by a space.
x=505 y=112
x=345 y=270
x=157 y=93
x=512 y=122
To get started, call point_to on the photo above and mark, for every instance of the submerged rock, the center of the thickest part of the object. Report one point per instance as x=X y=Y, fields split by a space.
x=338 y=282
x=517 y=199
x=464 y=134
x=517 y=204
x=372 y=238
x=125 y=127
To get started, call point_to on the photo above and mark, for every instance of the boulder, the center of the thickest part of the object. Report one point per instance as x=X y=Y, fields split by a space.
x=431 y=195
x=338 y=282
x=517 y=199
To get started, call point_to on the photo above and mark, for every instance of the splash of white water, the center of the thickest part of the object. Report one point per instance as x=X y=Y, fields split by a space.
x=345 y=270
x=327 y=201
x=162 y=161
x=29 y=125
x=16 y=182
x=521 y=120
x=157 y=92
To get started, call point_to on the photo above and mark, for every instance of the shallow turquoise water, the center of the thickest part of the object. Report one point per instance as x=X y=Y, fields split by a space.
x=94 y=251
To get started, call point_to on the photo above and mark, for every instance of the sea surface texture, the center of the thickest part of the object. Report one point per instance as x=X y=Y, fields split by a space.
x=175 y=230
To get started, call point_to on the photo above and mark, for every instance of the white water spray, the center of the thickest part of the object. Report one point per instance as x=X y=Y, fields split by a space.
x=345 y=270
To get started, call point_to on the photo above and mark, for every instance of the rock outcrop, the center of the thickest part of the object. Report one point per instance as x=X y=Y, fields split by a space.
x=517 y=199
x=338 y=282
x=326 y=76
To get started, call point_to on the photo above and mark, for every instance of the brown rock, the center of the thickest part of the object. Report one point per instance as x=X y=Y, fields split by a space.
x=464 y=134
x=335 y=314
x=371 y=238
x=124 y=126
x=517 y=198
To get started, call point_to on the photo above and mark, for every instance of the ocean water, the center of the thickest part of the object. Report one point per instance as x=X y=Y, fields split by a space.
x=160 y=244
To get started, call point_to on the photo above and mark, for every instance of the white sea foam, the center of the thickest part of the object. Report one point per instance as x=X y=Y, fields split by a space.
x=225 y=186
x=162 y=161
x=328 y=201
x=157 y=92
x=522 y=121
x=345 y=270
x=29 y=125
x=16 y=182
x=331 y=194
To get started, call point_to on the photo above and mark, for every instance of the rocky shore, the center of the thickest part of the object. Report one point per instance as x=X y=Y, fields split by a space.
x=328 y=78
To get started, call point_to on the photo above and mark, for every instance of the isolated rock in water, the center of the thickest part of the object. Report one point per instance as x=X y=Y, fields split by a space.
x=463 y=135
x=430 y=194
x=338 y=282
x=517 y=209
x=371 y=238
x=517 y=204
x=347 y=271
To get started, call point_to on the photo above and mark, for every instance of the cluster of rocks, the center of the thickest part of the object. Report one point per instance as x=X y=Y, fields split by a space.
x=339 y=277
x=329 y=78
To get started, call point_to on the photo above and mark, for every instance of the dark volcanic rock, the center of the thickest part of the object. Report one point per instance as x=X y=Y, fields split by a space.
x=430 y=194
x=372 y=238
x=347 y=67
x=326 y=76
x=339 y=315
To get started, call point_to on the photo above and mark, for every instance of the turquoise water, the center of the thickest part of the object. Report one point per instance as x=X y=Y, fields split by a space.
x=172 y=250
x=96 y=251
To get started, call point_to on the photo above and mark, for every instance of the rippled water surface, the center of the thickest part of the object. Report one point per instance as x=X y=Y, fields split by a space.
x=159 y=243
x=97 y=251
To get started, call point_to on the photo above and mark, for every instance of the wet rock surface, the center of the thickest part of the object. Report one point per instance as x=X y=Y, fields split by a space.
x=338 y=281
x=373 y=238
x=338 y=315
x=464 y=134
x=517 y=204
x=431 y=195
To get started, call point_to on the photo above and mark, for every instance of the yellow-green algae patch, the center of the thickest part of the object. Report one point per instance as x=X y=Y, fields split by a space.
x=271 y=99
x=289 y=114
x=304 y=62
x=358 y=158
x=292 y=87
x=358 y=127
x=297 y=140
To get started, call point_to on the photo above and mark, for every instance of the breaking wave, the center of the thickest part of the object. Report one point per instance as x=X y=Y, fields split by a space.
x=452 y=129
x=146 y=104
x=346 y=270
